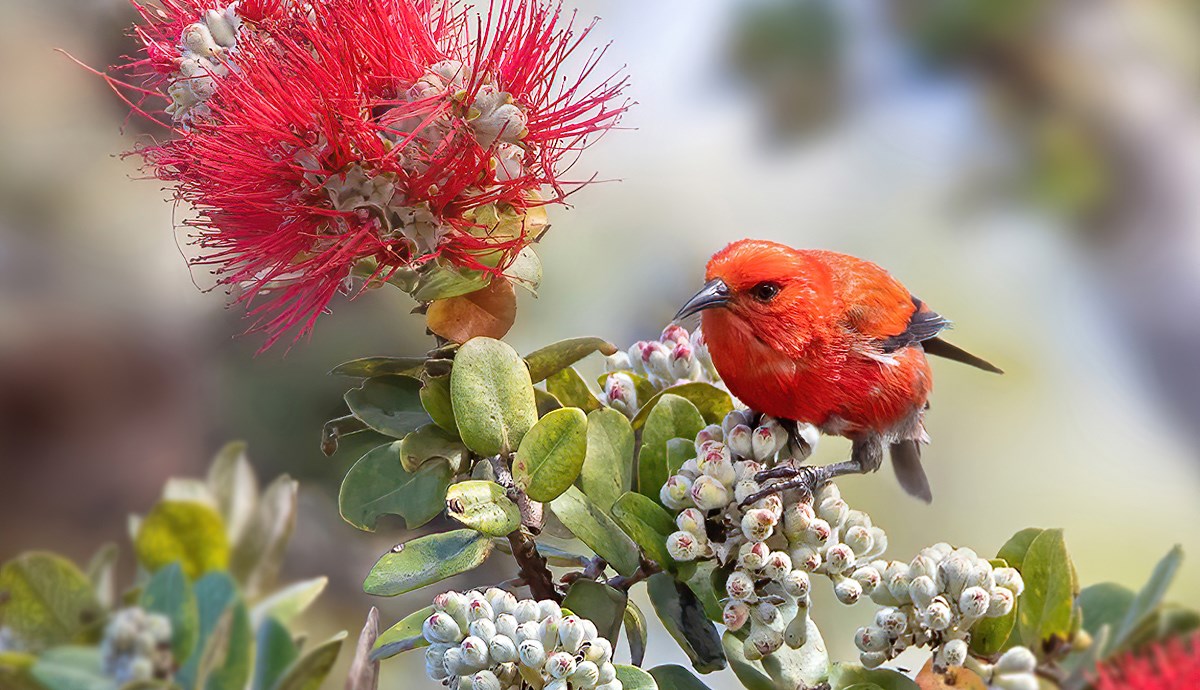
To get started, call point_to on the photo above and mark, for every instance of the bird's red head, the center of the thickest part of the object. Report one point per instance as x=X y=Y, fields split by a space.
x=764 y=291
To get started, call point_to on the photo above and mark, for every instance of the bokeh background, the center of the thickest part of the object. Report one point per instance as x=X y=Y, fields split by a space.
x=1030 y=168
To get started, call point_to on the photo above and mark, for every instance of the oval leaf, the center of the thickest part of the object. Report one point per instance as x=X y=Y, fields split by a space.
x=672 y=417
x=551 y=454
x=1046 y=605
x=488 y=312
x=635 y=632
x=367 y=367
x=46 y=600
x=597 y=530
x=310 y=670
x=483 y=506
x=426 y=560
x=258 y=555
x=169 y=593
x=848 y=675
x=402 y=636
x=186 y=532
x=72 y=668
x=634 y=678
x=431 y=442
x=712 y=402
x=289 y=602
x=390 y=405
x=676 y=678
x=683 y=616
x=554 y=358
x=492 y=396
x=435 y=398
x=1150 y=596
x=648 y=524
x=569 y=388
x=379 y=485
x=599 y=603
x=274 y=652
x=608 y=465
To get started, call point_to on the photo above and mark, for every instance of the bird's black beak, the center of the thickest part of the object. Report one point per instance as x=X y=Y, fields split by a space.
x=715 y=293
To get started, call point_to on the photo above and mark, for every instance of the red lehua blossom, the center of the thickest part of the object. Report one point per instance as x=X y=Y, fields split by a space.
x=1166 y=665
x=369 y=135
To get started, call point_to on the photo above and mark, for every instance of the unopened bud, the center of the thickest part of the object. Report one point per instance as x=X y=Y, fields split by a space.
x=872 y=660
x=868 y=577
x=923 y=565
x=452 y=603
x=532 y=654
x=1009 y=579
x=608 y=674
x=529 y=631
x=676 y=494
x=482 y=628
x=597 y=650
x=871 y=639
x=571 y=633
x=796 y=518
x=777 y=566
x=1001 y=603
x=479 y=609
x=502 y=649
x=838 y=558
x=440 y=627
x=560 y=664
x=691 y=520
x=474 y=652
x=753 y=555
x=758 y=524
x=952 y=574
x=586 y=675
x=797 y=584
x=527 y=611
x=739 y=586
x=806 y=557
x=740 y=441
x=735 y=614
x=974 y=602
x=1015 y=681
x=796 y=633
x=898 y=579
x=761 y=642
x=548 y=608
x=548 y=631
x=452 y=661
x=684 y=546
x=922 y=590
x=817 y=533
x=772 y=503
x=832 y=510
x=952 y=654
x=1016 y=660
x=506 y=624
x=745 y=489
x=485 y=680
x=766 y=441
x=712 y=433
x=892 y=621
x=859 y=540
x=847 y=591
x=718 y=466
x=709 y=494
x=435 y=662
x=938 y=615
x=825 y=492
x=746 y=469
x=501 y=601
x=619 y=361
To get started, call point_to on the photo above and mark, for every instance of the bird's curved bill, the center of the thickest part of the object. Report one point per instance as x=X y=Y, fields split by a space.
x=715 y=293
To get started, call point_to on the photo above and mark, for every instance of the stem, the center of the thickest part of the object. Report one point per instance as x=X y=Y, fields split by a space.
x=531 y=565
x=645 y=570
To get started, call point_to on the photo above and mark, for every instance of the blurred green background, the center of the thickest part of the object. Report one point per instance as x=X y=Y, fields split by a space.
x=1029 y=169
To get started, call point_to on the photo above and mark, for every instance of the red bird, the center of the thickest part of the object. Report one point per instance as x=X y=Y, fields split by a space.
x=830 y=340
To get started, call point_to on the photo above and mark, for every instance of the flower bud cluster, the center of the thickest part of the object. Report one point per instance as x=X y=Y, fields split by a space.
x=493 y=641
x=935 y=600
x=203 y=48
x=676 y=357
x=137 y=646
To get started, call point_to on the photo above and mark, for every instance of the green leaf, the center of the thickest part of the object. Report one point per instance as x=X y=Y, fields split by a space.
x=435 y=398
x=336 y=429
x=1150 y=596
x=634 y=678
x=215 y=594
x=232 y=483
x=554 y=358
x=1167 y=621
x=603 y=605
x=648 y=524
x=672 y=417
x=402 y=636
x=440 y=279
x=274 y=652
x=551 y=454
x=431 y=442
x=702 y=582
x=390 y=405
x=569 y=388
x=426 y=560
x=258 y=555
x=683 y=616
x=990 y=635
x=492 y=396
x=844 y=676
x=676 y=678
x=749 y=673
x=186 y=532
x=713 y=403
x=367 y=367
x=597 y=530
x=1013 y=551
x=1049 y=596
x=483 y=506
x=285 y=604
x=379 y=485
x=1104 y=604
x=228 y=652
x=45 y=600
x=635 y=632
x=169 y=593
x=101 y=572
x=799 y=668
x=679 y=451
x=310 y=670
x=526 y=270
x=72 y=668
x=546 y=402
x=608 y=465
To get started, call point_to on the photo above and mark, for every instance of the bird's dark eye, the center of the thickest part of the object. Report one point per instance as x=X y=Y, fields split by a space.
x=765 y=292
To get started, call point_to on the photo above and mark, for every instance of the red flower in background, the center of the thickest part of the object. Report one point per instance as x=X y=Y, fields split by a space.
x=322 y=139
x=1167 y=665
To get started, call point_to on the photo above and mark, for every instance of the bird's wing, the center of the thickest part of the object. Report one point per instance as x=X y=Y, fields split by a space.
x=879 y=308
x=924 y=324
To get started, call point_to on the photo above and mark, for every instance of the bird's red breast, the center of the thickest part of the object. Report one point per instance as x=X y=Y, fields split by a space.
x=817 y=350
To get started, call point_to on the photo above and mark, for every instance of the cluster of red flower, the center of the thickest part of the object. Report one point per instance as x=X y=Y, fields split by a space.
x=321 y=139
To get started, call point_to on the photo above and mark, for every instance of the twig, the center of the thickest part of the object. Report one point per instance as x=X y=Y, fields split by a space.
x=531 y=565
x=645 y=570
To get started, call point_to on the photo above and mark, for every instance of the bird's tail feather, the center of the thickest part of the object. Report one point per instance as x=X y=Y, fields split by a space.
x=906 y=461
x=941 y=348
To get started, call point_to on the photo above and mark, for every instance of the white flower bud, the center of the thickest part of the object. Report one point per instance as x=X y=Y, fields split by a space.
x=712 y=432
x=847 y=591
x=938 y=615
x=684 y=546
x=620 y=392
x=797 y=584
x=691 y=520
x=762 y=642
x=1009 y=579
x=1002 y=602
x=898 y=579
x=532 y=654
x=868 y=577
x=501 y=601
x=597 y=650
x=452 y=603
x=922 y=590
x=765 y=612
x=883 y=597
x=796 y=633
x=778 y=565
x=571 y=633
x=740 y=441
x=974 y=602
x=872 y=660
x=1016 y=660
x=485 y=680
x=892 y=621
x=735 y=615
x=758 y=524
x=859 y=540
x=557 y=684
x=952 y=654
x=772 y=503
x=734 y=418
x=506 y=624
x=618 y=362
x=527 y=611
x=475 y=654
x=440 y=627
x=825 y=492
x=806 y=557
x=548 y=631
x=479 y=608
x=739 y=586
x=709 y=494
x=746 y=469
x=452 y=661
x=589 y=630
x=953 y=573
x=923 y=565
x=676 y=494
x=832 y=510
x=502 y=649
x=766 y=441
x=871 y=639
x=880 y=540
x=586 y=675
x=817 y=532
x=745 y=489
x=560 y=665
x=796 y=518
x=718 y=466
x=608 y=674
x=530 y=630
x=435 y=662
x=482 y=628
x=838 y=558
x=1015 y=681
x=690 y=469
